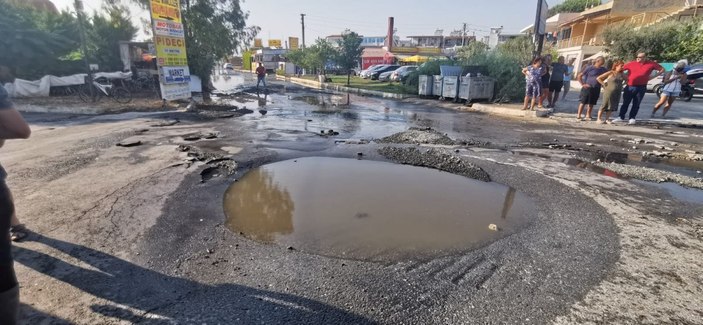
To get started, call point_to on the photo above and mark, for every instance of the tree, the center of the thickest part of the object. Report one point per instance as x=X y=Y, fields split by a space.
x=572 y=6
x=668 y=41
x=319 y=55
x=105 y=34
x=214 y=29
x=349 y=53
x=473 y=52
x=27 y=49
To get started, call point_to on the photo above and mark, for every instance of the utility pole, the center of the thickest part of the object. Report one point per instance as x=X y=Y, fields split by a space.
x=539 y=37
x=78 y=4
x=463 y=36
x=302 y=23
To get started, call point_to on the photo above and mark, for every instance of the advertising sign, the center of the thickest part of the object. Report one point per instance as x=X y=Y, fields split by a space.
x=293 y=43
x=166 y=10
x=258 y=43
x=274 y=43
x=168 y=28
x=170 y=47
x=171 y=51
x=176 y=75
x=175 y=91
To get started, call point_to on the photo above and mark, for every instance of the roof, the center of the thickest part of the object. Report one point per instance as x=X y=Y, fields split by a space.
x=373 y=52
x=554 y=22
x=593 y=12
x=427 y=36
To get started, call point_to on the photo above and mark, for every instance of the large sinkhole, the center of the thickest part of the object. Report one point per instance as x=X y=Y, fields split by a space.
x=369 y=210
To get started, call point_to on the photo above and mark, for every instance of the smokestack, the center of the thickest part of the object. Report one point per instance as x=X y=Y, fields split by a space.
x=390 y=34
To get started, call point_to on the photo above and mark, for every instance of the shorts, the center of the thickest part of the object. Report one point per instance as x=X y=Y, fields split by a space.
x=533 y=89
x=555 y=86
x=545 y=81
x=671 y=94
x=589 y=96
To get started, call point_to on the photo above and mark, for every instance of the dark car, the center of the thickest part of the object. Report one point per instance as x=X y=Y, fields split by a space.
x=374 y=75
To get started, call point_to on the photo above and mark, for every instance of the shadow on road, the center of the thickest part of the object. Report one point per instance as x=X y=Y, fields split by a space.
x=140 y=295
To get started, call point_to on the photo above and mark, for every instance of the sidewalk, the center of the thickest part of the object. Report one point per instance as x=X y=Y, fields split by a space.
x=687 y=113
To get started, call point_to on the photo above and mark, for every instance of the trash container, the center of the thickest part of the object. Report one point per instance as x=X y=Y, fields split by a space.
x=450 y=88
x=425 y=85
x=437 y=85
x=477 y=87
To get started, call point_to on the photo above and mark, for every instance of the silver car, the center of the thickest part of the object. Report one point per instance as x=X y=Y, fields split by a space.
x=386 y=76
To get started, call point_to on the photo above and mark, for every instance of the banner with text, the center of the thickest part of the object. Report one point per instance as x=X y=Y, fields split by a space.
x=274 y=43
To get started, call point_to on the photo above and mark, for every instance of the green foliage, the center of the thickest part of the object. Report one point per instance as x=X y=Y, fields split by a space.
x=572 y=6
x=349 y=52
x=474 y=51
x=33 y=41
x=315 y=57
x=104 y=35
x=505 y=64
x=668 y=41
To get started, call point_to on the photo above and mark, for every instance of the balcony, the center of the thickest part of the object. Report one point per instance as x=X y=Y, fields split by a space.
x=580 y=41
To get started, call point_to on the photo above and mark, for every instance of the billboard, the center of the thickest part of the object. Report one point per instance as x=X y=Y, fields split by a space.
x=275 y=43
x=170 y=51
x=175 y=75
x=170 y=44
x=293 y=43
x=258 y=43
x=168 y=28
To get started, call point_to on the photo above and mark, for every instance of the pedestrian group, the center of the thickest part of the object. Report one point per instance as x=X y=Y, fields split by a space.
x=544 y=80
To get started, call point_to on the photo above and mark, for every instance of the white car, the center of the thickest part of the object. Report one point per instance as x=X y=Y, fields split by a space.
x=228 y=66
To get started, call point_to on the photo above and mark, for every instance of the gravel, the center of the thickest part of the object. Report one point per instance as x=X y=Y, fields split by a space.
x=651 y=174
x=419 y=136
x=437 y=159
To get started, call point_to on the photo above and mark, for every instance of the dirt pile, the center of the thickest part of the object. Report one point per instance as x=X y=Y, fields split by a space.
x=437 y=159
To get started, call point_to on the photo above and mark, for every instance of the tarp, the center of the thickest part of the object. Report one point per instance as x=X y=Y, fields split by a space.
x=41 y=87
x=415 y=59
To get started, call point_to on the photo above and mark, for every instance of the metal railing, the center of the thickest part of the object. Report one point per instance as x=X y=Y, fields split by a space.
x=691 y=3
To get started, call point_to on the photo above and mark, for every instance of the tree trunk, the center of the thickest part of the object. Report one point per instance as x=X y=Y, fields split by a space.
x=348 y=78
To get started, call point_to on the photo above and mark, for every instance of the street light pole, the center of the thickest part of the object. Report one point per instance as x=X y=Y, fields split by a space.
x=539 y=37
x=78 y=4
x=302 y=22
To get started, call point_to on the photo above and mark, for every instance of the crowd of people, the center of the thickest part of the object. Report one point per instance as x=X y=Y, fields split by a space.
x=545 y=80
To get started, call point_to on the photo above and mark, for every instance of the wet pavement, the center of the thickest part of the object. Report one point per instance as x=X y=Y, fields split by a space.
x=199 y=231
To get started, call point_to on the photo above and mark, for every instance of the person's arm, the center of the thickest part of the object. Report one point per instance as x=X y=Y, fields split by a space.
x=524 y=71
x=12 y=125
x=601 y=79
x=580 y=78
x=660 y=69
x=667 y=78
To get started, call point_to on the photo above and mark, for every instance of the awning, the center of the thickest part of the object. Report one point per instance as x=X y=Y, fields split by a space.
x=415 y=59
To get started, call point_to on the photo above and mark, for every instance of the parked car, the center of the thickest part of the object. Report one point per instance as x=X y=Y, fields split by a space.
x=386 y=76
x=376 y=73
x=367 y=73
x=402 y=73
x=228 y=66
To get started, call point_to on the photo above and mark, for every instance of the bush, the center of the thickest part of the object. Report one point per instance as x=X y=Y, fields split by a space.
x=280 y=72
x=669 y=41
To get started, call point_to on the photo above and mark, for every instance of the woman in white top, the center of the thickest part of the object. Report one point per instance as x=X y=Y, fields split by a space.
x=672 y=87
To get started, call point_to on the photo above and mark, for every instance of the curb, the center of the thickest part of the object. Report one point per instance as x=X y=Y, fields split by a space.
x=328 y=86
x=30 y=108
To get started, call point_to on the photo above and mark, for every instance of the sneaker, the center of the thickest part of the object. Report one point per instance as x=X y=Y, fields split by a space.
x=618 y=120
x=631 y=121
x=600 y=122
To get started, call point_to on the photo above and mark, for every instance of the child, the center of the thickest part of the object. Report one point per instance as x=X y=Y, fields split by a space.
x=533 y=77
x=612 y=82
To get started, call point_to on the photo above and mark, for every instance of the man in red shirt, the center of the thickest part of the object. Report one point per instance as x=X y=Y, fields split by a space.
x=260 y=75
x=639 y=74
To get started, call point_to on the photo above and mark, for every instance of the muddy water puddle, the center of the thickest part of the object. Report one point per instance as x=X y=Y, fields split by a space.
x=370 y=210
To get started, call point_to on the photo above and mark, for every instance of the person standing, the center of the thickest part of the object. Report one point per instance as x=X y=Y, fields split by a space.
x=639 y=74
x=567 y=78
x=559 y=72
x=533 y=83
x=590 y=88
x=12 y=126
x=672 y=88
x=260 y=75
x=547 y=66
x=612 y=82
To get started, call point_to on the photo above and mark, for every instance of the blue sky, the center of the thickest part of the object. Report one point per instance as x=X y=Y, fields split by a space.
x=280 y=19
